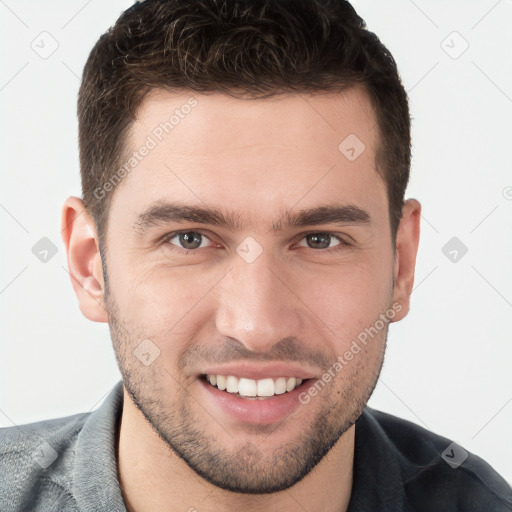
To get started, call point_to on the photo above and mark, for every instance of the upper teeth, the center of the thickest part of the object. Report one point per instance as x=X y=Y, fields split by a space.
x=250 y=387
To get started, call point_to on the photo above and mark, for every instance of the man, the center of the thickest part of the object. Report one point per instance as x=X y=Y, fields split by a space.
x=243 y=231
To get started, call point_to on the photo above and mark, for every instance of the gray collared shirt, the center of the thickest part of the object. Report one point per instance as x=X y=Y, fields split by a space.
x=70 y=464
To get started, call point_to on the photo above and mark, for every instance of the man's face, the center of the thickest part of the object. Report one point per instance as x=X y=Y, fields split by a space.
x=274 y=294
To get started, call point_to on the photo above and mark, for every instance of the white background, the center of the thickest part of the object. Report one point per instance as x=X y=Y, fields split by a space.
x=449 y=363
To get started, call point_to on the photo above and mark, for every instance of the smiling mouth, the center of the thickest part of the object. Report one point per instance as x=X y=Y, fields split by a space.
x=253 y=389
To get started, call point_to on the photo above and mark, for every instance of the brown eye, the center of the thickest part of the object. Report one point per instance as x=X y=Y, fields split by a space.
x=320 y=241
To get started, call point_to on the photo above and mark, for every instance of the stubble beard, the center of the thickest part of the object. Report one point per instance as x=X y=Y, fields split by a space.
x=245 y=468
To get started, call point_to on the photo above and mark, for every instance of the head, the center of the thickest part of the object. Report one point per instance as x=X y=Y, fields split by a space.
x=243 y=167
x=256 y=49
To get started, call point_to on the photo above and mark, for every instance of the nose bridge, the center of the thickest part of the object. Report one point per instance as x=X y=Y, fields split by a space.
x=255 y=307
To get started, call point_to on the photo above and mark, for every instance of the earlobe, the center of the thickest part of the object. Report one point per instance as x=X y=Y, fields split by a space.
x=407 y=241
x=84 y=259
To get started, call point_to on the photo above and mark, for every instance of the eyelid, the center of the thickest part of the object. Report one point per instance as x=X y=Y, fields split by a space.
x=342 y=237
x=169 y=236
x=338 y=237
x=166 y=239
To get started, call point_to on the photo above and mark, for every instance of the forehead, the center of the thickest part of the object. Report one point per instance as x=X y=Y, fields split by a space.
x=220 y=121
x=255 y=157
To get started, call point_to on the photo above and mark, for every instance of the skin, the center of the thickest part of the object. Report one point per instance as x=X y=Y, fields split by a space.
x=260 y=159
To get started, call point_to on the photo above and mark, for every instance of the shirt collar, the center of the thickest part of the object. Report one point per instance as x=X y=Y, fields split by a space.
x=96 y=482
x=377 y=477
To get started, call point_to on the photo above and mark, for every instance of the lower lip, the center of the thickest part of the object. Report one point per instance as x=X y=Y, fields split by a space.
x=254 y=411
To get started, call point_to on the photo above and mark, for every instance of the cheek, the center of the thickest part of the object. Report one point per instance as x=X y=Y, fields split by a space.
x=164 y=303
x=144 y=287
x=176 y=303
x=349 y=299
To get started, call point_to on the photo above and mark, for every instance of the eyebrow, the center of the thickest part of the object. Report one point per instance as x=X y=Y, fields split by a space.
x=162 y=213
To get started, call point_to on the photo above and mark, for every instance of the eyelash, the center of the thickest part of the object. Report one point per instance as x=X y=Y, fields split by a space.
x=168 y=237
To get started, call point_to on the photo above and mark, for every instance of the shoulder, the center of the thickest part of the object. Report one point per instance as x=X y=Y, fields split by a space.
x=439 y=474
x=36 y=462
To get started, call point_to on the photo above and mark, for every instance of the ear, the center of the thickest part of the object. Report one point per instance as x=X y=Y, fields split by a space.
x=84 y=260
x=407 y=240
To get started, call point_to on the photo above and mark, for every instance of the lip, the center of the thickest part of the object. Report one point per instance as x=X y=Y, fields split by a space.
x=253 y=411
x=257 y=372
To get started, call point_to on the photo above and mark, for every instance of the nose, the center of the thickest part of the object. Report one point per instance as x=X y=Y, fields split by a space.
x=257 y=306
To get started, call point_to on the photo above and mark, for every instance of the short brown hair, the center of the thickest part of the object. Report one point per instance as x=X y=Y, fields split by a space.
x=244 y=48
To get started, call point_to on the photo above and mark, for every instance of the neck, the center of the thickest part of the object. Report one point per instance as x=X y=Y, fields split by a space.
x=152 y=476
